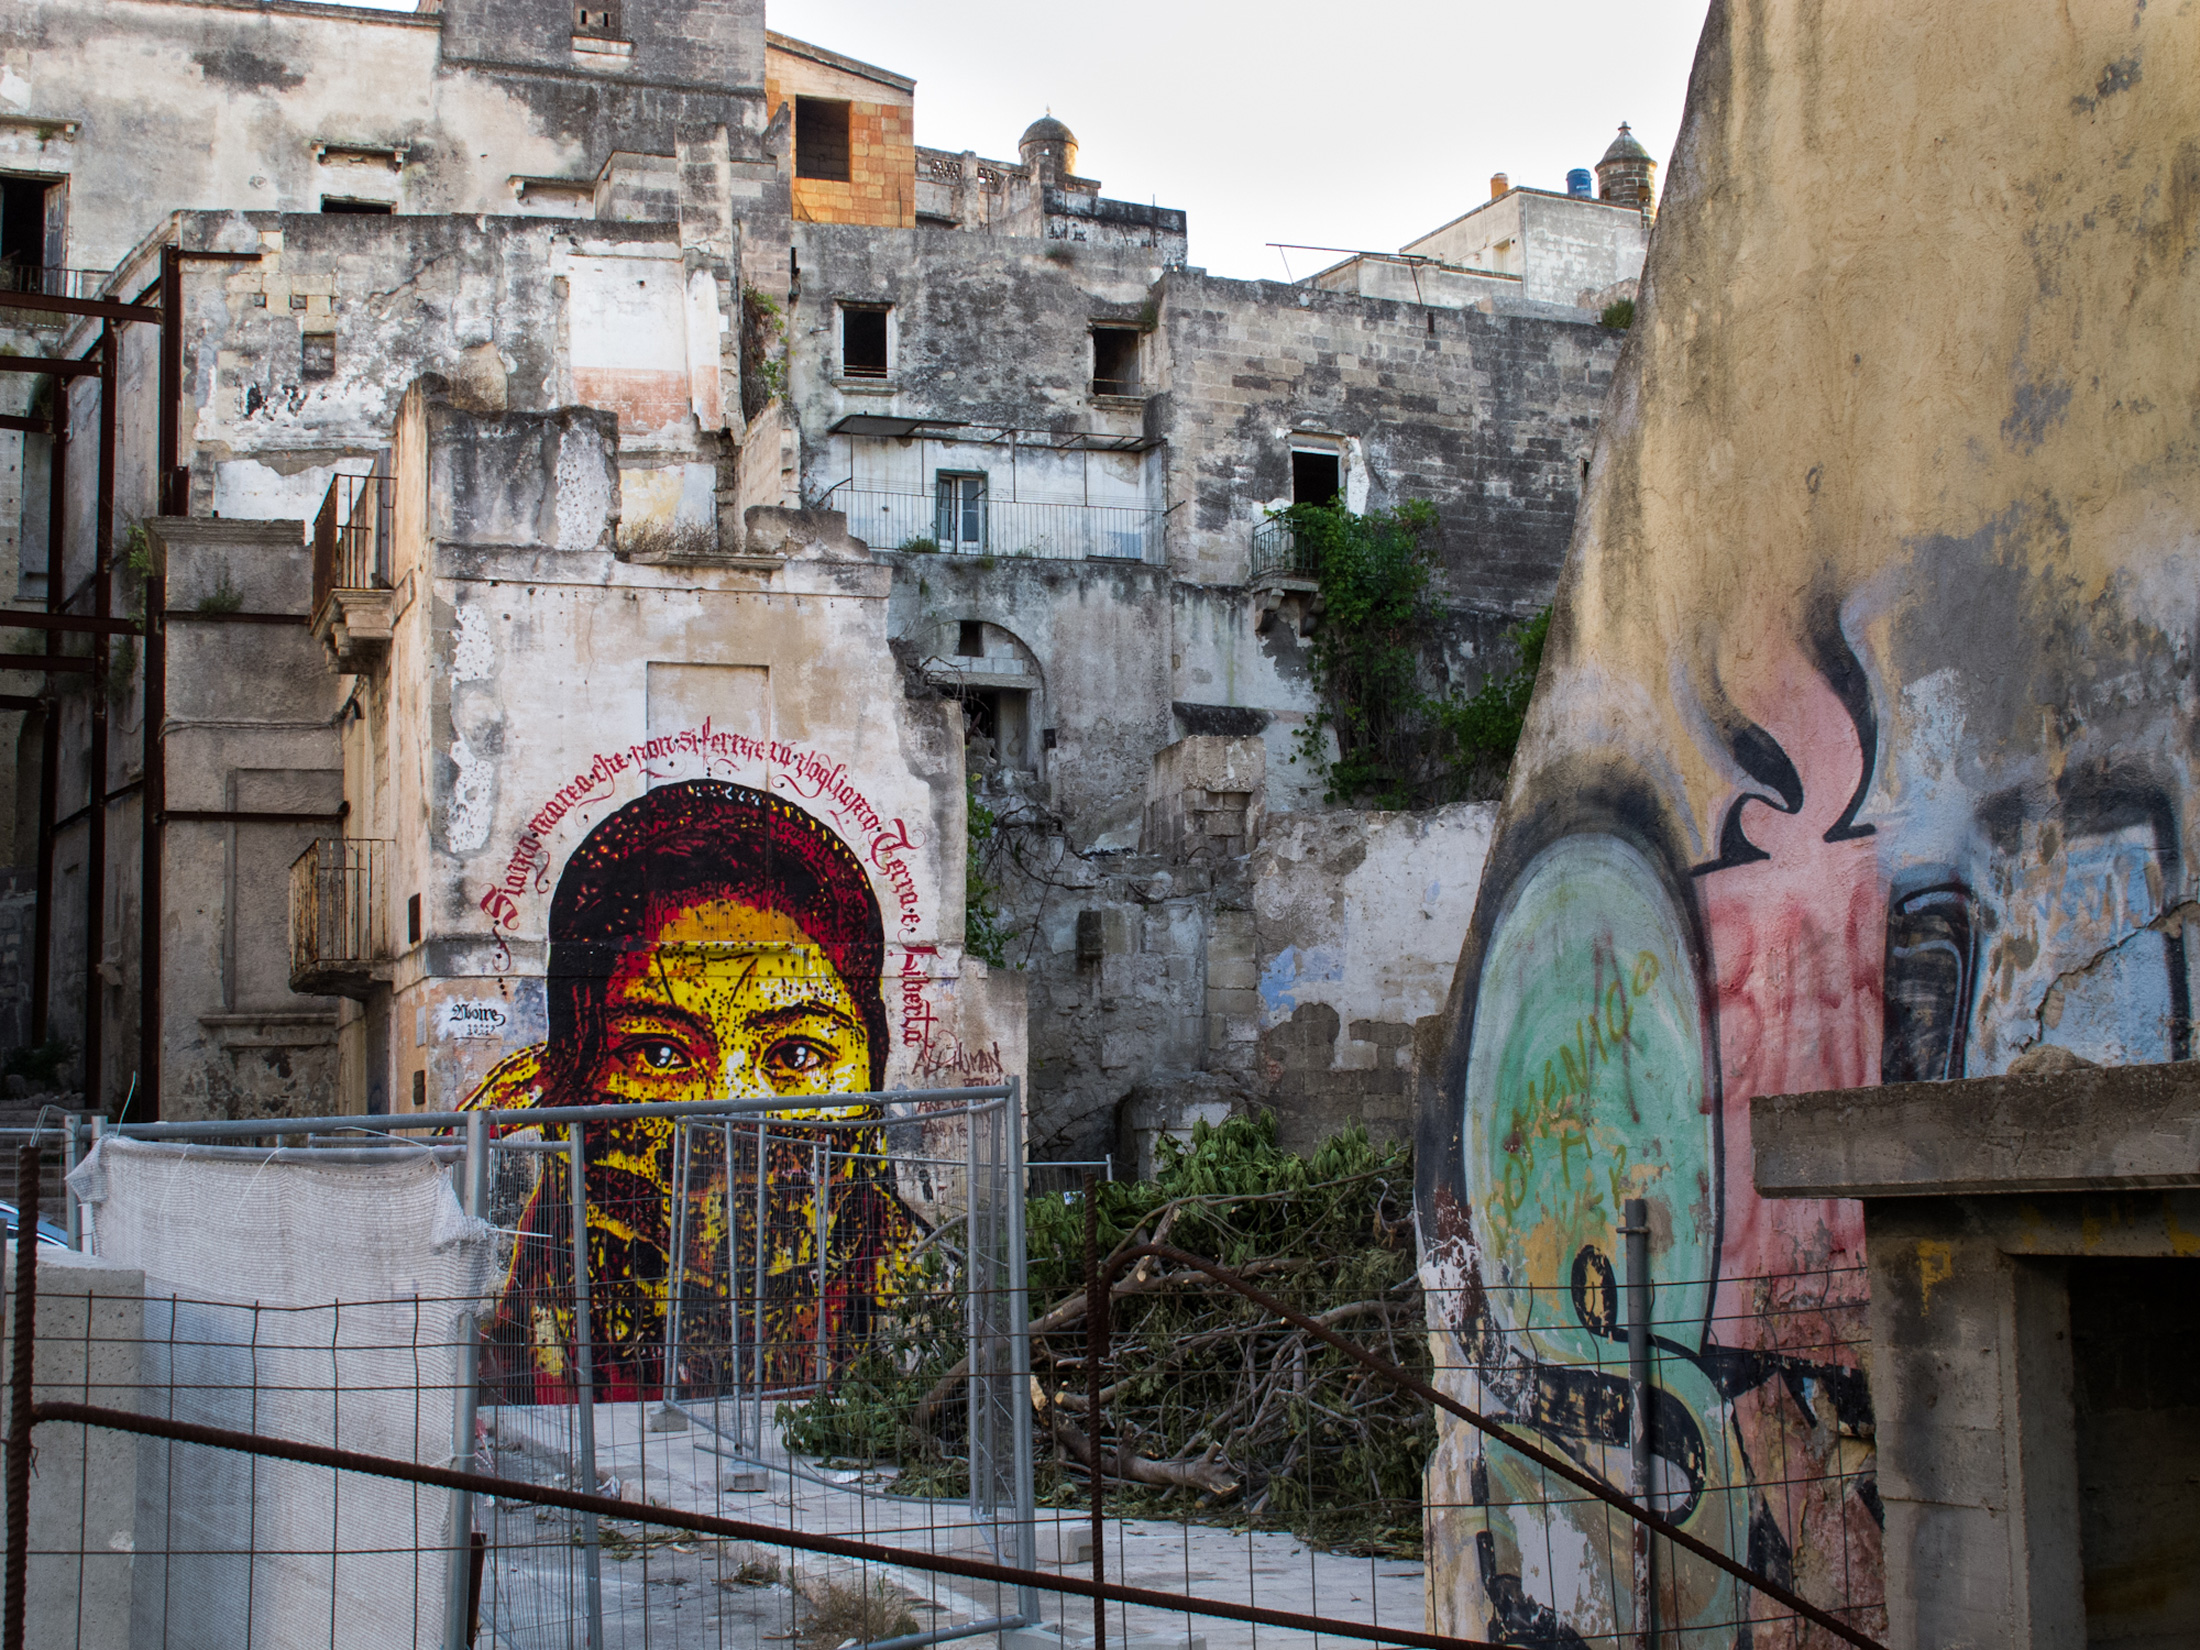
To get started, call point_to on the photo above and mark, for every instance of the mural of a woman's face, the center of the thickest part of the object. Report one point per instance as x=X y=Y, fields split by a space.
x=729 y=1002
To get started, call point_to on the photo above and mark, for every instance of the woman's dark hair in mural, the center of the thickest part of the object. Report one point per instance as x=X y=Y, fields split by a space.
x=683 y=845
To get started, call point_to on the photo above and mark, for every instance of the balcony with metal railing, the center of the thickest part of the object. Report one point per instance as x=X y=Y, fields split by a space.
x=339 y=933
x=981 y=525
x=1278 y=553
x=48 y=281
x=351 y=566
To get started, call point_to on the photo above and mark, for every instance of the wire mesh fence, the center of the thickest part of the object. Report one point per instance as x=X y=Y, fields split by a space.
x=695 y=1347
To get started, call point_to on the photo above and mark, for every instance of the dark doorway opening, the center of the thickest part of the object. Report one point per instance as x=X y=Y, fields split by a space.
x=2135 y=1356
x=30 y=238
x=1315 y=478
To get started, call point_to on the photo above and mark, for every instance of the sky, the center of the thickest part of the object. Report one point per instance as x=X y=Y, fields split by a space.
x=1358 y=125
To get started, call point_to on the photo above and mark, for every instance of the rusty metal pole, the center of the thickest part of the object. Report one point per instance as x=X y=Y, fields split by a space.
x=95 y=851
x=172 y=490
x=1096 y=1350
x=154 y=797
x=20 y=1395
x=49 y=755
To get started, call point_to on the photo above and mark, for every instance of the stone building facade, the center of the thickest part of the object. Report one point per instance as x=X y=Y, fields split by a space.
x=1052 y=445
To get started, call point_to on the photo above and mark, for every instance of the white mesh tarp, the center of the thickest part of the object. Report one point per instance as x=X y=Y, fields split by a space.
x=306 y=1298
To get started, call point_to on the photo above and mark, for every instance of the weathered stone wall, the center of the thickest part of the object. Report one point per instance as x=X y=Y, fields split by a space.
x=1558 y=246
x=1490 y=417
x=252 y=727
x=1862 y=753
x=232 y=103
x=521 y=313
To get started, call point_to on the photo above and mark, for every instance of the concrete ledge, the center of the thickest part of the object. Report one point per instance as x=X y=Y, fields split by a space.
x=2095 y=1129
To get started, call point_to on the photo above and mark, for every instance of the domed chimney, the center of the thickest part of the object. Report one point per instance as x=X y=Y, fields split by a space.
x=1048 y=146
x=1627 y=176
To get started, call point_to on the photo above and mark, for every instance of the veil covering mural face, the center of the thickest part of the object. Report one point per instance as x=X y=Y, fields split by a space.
x=708 y=942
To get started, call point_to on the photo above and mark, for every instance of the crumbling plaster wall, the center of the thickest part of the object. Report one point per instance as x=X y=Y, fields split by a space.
x=515 y=313
x=529 y=675
x=1862 y=750
x=223 y=103
x=253 y=725
x=1351 y=914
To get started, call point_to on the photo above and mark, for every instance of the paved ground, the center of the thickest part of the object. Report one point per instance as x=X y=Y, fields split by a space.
x=662 y=1594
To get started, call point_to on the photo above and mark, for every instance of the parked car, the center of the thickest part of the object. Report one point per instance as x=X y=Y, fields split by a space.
x=49 y=1233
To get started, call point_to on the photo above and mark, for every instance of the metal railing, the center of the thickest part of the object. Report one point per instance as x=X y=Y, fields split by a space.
x=1006 y=527
x=339 y=938
x=1277 y=551
x=52 y=280
x=351 y=535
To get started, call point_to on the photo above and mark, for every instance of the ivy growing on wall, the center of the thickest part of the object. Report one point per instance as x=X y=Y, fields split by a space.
x=1400 y=743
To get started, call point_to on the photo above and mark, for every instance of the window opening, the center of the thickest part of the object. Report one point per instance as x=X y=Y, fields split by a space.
x=600 y=20
x=1315 y=478
x=863 y=343
x=821 y=139
x=371 y=209
x=960 y=511
x=319 y=355
x=412 y=920
x=970 y=640
x=22 y=231
x=1114 y=361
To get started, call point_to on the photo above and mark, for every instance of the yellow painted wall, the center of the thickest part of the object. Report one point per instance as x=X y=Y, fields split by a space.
x=882 y=146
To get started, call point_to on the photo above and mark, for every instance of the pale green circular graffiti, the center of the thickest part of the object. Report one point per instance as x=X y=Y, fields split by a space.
x=1586 y=1085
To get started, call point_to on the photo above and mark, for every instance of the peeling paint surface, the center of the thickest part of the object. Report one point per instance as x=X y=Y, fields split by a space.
x=1866 y=728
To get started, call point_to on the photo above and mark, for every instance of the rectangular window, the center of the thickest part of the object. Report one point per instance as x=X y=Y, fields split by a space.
x=960 y=511
x=821 y=139
x=1114 y=361
x=319 y=359
x=1315 y=478
x=862 y=342
x=371 y=209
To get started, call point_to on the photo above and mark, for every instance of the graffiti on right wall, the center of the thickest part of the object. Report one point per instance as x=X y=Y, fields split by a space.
x=1862 y=753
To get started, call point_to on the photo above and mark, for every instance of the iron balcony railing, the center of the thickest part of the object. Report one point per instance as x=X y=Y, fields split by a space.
x=1004 y=527
x=351 y=536
x=339 y=936
x=1278 y=553
x=51 y=280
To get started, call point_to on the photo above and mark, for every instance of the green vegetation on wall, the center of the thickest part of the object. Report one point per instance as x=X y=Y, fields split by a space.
x=1399 y=743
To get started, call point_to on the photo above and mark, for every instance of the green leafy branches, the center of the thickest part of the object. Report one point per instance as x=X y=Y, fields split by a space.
x=763 y=351
x=1399 y=744
x=985 y=930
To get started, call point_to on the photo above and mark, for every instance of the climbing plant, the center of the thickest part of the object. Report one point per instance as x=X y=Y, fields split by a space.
x=1400 y=743
x=763 y=351
x=985 y=929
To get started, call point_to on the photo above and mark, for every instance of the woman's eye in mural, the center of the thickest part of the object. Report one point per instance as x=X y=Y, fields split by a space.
x=654 y=1056
x=798 y=1062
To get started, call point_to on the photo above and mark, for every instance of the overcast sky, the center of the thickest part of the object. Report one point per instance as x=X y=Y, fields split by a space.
x=1358 y=125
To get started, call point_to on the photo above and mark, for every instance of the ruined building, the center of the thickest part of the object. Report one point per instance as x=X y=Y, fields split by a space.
x=547 y=405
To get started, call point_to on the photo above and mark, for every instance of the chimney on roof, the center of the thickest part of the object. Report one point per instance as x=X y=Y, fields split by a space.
x=1499 y=183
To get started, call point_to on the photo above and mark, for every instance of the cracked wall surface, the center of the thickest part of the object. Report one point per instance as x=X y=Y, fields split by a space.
x=1862 y=750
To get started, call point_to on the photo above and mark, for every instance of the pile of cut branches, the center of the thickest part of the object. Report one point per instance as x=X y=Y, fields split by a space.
x=1211 y=1408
